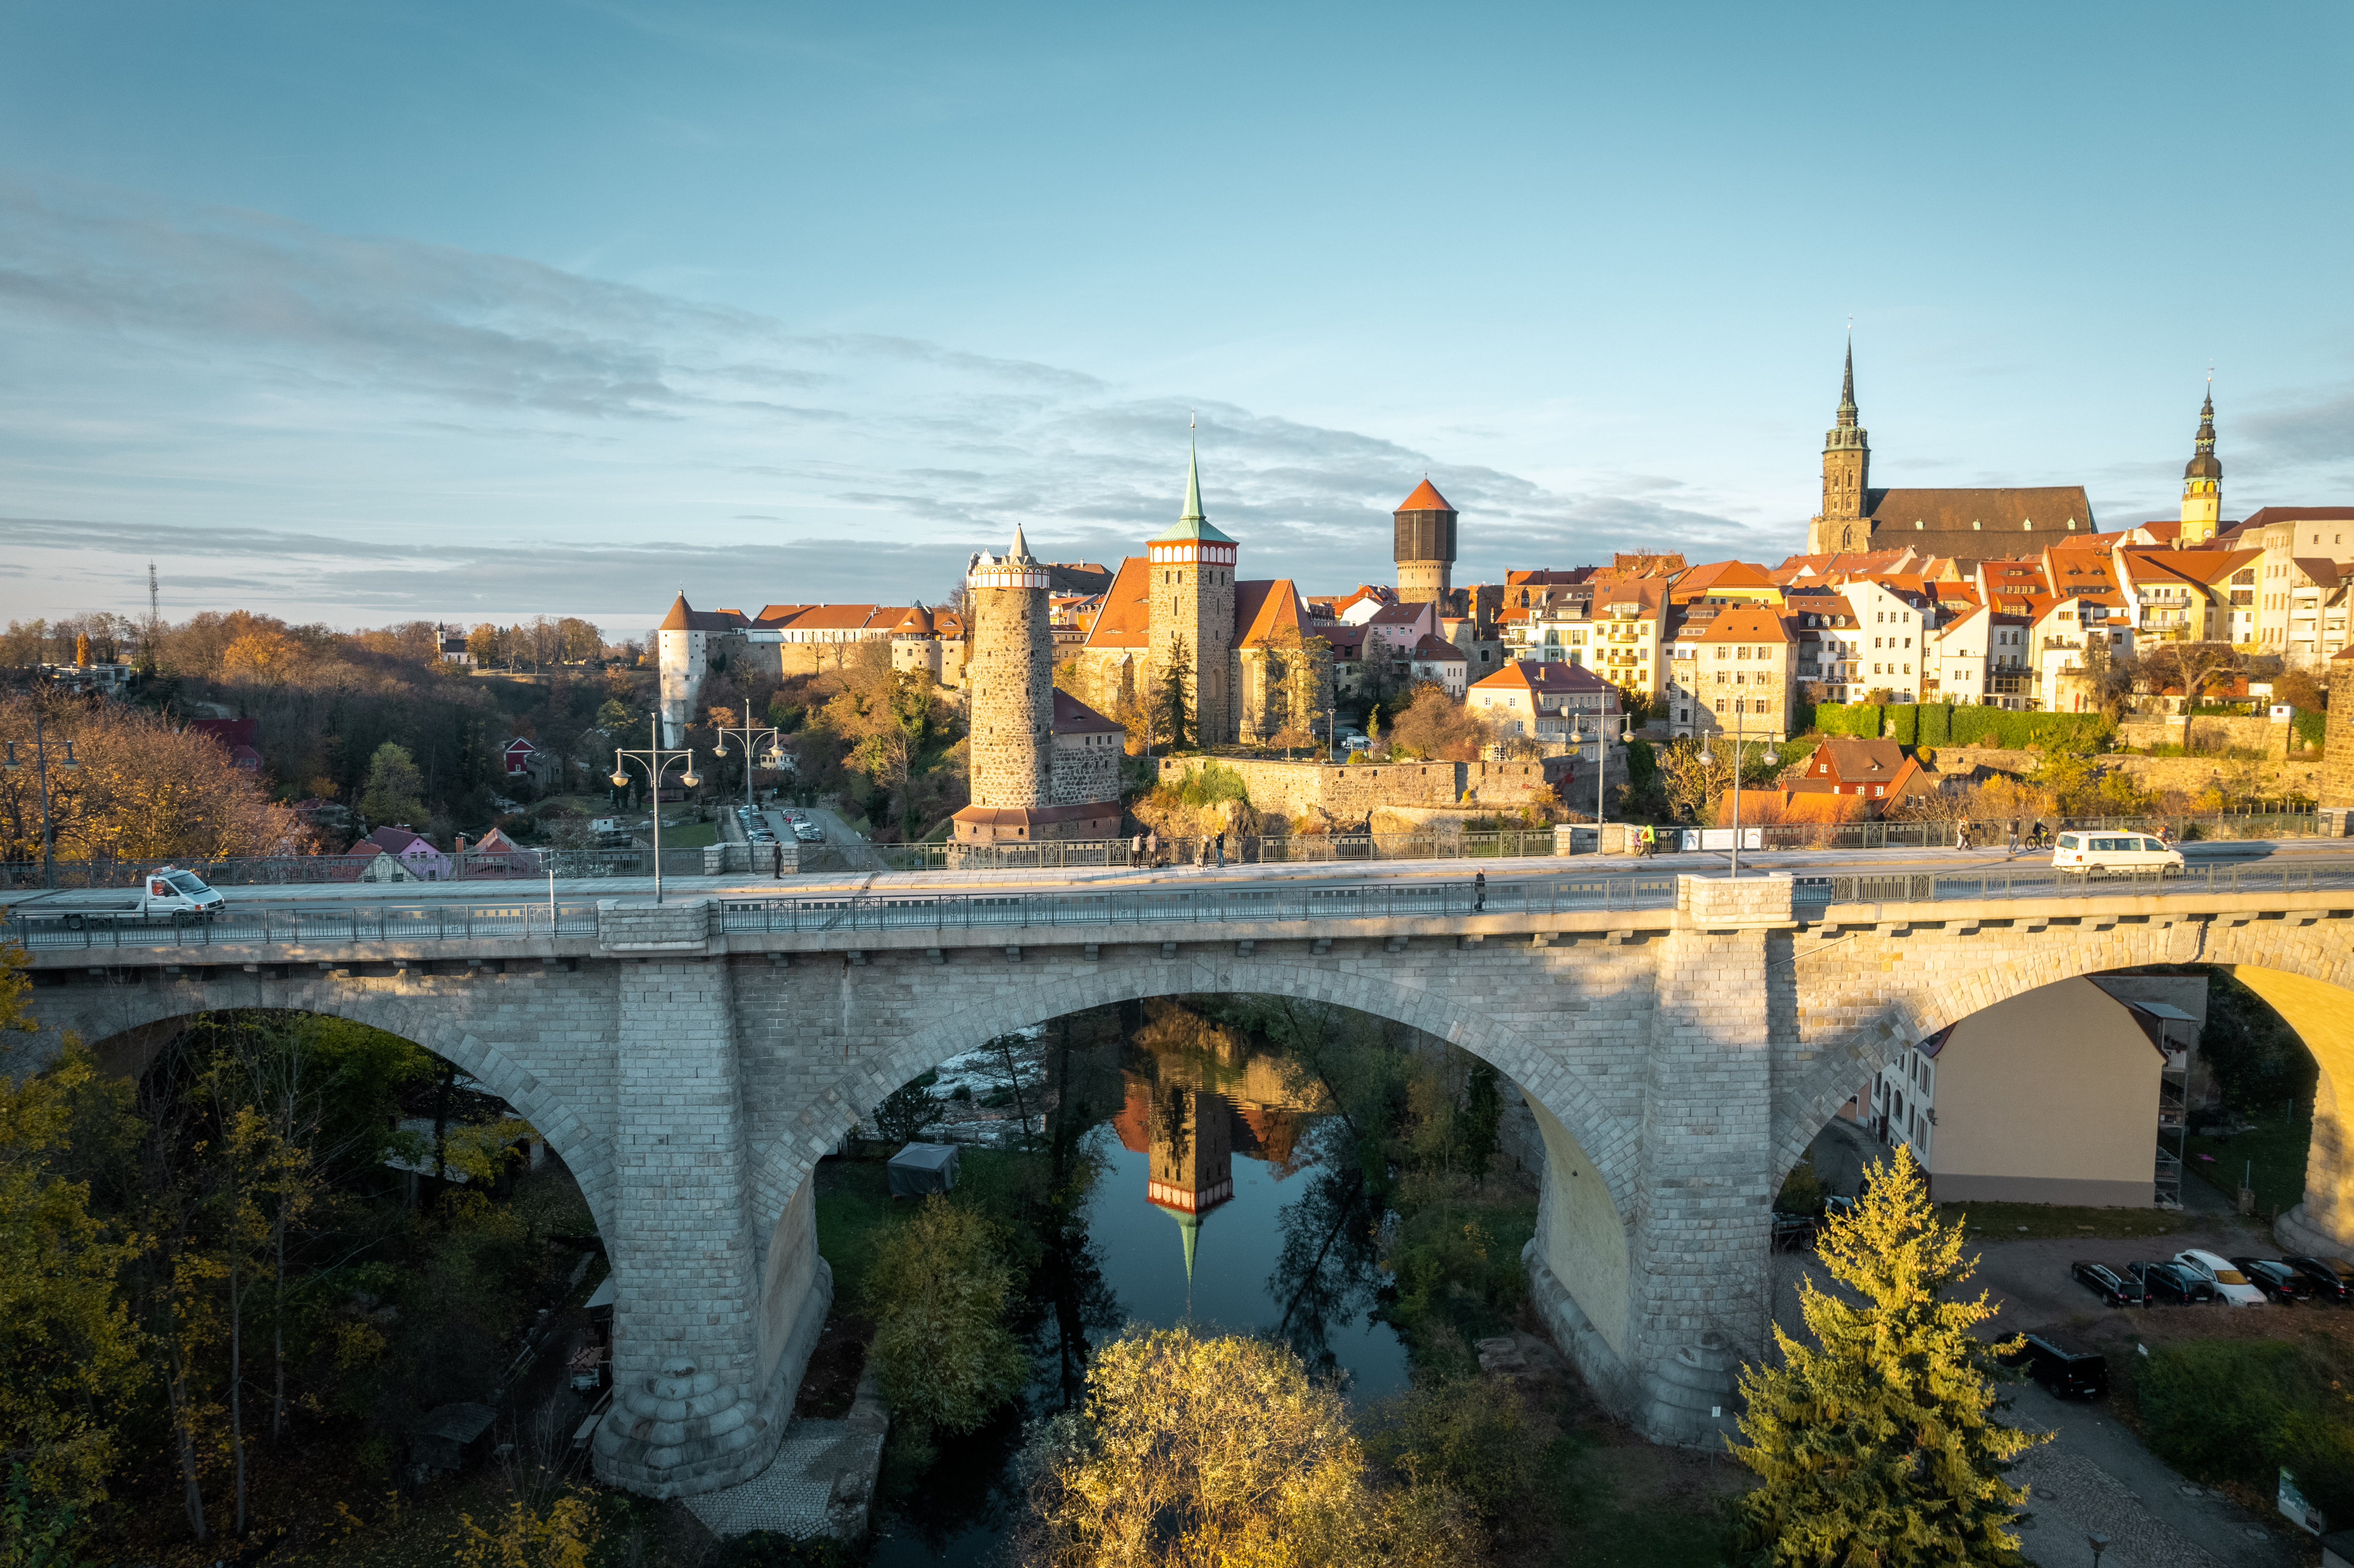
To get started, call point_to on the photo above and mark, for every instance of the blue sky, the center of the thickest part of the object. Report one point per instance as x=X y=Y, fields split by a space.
x=361 y=312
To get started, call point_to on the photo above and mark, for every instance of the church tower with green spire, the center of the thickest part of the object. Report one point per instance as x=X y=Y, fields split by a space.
x=1192 y=1154
x=1191 y=577
x=1844 y=522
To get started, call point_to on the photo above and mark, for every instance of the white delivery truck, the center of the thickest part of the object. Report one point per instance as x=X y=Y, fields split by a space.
x=166 y=894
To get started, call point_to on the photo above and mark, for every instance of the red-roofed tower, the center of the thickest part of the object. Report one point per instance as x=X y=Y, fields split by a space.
x=1425 y=546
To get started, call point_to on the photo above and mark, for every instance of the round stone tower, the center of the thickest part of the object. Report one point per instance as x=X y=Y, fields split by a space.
x=1425 y=547
x=1012 y=680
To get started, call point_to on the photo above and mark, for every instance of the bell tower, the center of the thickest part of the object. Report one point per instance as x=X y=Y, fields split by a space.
x=1193 y=614
x=1841 y=524
x=2203 y=481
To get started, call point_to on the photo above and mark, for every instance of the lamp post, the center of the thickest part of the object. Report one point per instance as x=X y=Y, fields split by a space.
x=753 y=734
x=41 y=744
x=1602 y=762
x=1740 y=742
x=655 y=760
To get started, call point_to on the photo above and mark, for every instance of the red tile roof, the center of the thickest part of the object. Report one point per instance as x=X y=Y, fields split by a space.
x=1425 y=498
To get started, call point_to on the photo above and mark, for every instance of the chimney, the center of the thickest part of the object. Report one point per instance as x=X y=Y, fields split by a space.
x=461 y=845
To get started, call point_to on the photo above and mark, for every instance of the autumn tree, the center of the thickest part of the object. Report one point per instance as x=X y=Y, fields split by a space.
x=1878 y=1444
x=2190 y=667
x=1208 y=1450
x=264 y=657
x=1438 y=727
x=142 y=792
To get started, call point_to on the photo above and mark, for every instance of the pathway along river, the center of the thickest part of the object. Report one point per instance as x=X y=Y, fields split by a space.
x=1222 y=1193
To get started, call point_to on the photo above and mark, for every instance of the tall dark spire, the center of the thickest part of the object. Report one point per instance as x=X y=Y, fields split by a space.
x=1846 y=387
x=2203 y=463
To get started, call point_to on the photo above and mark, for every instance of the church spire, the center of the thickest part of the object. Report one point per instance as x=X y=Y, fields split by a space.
x=2203 y=479
x=1844 y=522
x=1847 y=409
x=1192 y=485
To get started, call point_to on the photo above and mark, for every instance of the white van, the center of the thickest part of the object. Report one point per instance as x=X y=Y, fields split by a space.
x=2095 y=854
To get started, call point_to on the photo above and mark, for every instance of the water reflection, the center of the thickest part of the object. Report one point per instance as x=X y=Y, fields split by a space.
x=1188 y=1176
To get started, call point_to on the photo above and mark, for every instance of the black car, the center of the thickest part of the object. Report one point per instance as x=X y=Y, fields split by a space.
x=2332 y=1278
x=2063 y=1369
x=2276 y=1279
x=2116 y=1290
x=2171 y=1282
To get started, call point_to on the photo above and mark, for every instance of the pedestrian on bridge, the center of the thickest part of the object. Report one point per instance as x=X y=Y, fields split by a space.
x=2010 y=837
x=1152 y=848
x=1136 y=851
x=1478 y=892
x=1961 y=835
x=1222 y=851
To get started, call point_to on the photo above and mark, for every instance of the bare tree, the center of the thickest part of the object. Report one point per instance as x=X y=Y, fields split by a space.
x=2193 y=666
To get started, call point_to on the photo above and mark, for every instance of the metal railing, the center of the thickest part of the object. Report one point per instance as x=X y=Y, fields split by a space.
x=363 y=870
x=515 y=870
x=1236 y=903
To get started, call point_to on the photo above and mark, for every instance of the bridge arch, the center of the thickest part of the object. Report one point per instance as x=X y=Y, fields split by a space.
x=1883 y=1000
x=1587 y=1202
x=124 y=1024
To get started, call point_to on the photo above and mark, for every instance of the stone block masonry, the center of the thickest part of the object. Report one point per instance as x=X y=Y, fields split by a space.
x=1676 y=1063
x=1353 y=791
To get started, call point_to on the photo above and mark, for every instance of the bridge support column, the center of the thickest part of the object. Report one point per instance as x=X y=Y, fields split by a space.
x=1700 y=1286
x=697 y=1404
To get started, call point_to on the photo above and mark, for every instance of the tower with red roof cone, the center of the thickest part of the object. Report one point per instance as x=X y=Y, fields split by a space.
x=1425 y=546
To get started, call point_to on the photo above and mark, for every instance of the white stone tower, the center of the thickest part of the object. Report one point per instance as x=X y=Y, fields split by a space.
x=1012 y=680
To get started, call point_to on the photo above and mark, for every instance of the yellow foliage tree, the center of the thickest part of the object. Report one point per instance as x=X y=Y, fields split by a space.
x=1221 y=1451
x=563 y=1533
x=142 y=792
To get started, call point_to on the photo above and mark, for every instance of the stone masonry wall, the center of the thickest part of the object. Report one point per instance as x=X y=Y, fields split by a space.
x=1353 y=791
x=1012 y=710
x=2209 y=732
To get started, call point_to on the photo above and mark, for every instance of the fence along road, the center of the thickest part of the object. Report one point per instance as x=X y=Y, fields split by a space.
x=1240 y=902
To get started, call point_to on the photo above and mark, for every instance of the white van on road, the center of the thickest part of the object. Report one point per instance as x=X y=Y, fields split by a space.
x=2097 y=852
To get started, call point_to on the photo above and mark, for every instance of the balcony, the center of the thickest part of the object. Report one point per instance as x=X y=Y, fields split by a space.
x=2009 y=682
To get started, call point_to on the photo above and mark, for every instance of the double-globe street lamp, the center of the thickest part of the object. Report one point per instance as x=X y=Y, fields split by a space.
x=1708 y=759
x=772 y=759
x=656 y=760
x=1601 y=760
x=42 y=745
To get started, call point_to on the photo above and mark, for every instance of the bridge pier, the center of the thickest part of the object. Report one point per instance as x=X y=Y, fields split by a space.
x=705 y=1360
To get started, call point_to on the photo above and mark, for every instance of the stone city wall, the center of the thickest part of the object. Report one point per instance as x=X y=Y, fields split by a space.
x=2209 y=732
x=1353 y=791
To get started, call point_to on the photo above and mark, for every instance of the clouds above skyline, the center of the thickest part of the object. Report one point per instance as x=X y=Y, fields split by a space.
x=358 y=429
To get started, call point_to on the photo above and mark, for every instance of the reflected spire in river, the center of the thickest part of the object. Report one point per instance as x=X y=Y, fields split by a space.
x=1196 y=1095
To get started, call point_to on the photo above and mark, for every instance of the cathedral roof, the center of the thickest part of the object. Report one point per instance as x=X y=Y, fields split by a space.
x=1073 y=716
x=1976 y=525
x=1126 y=619
x=1425 y=498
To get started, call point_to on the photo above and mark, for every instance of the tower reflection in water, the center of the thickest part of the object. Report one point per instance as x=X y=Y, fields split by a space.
x=1197 y=1094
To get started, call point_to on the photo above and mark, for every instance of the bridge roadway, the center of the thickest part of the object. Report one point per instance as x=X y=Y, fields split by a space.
x=1680 y=1037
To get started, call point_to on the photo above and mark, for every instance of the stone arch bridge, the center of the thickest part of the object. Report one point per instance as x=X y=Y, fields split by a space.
x=1679 y=1059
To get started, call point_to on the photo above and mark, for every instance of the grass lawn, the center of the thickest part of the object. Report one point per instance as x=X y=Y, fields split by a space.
x=2278 y=1149
x=855 y=1209
x=689 y=835
x=2009 y=1222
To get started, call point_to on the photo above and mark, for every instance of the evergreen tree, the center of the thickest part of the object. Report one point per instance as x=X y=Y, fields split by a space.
x=1878 y=1444
x=1174 y=705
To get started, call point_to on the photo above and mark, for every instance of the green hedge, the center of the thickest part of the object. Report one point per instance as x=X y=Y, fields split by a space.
x=1940 y=724
x=1847 y=718
x=2242 y=1410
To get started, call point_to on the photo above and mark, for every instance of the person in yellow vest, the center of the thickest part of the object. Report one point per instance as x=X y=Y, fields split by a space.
x=1651 y=838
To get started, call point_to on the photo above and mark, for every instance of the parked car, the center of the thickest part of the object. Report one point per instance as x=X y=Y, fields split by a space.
x=2332 y=1278
x=809 y=832
x=2061 y=1367
x=2171 y=1282
x=2232 y=1286
x=2276 y=1279
x=2116 y=1290
x=2098 y=854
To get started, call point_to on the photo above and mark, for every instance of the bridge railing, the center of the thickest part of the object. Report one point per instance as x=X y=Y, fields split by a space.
x=1231 y=904
x=511 y=867
x=1220 y=903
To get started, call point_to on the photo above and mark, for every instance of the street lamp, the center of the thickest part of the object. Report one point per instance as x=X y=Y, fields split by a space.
x=41 y=744
x=771 y=758
x=1708 y=759
x=656 y=761
x=1602 y=761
